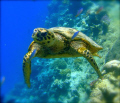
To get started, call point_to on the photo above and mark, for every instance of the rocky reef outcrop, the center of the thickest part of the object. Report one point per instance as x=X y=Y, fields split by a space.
x=114 y=53
x=107 y=90
x=88 y=22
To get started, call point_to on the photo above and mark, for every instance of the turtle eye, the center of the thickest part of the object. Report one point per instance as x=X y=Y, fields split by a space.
x=35 y=31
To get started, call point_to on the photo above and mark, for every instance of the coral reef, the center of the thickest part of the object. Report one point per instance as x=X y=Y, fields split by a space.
x=65 y=72
x=107 y=90
x=88 y=22
x=60 y=64
x=77 y=63
x=73 y=80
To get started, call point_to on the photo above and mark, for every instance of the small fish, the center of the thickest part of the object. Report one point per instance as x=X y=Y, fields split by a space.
x=33 y=54
x=99 y=10
x=75 y=34
x=2 y=80
x=79 y=12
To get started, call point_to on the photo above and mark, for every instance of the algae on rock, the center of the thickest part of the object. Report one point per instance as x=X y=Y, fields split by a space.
x=107 y=90
x=114 y=53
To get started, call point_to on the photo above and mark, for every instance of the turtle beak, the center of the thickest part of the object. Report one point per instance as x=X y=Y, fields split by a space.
x=37 y=36
x=35 y=33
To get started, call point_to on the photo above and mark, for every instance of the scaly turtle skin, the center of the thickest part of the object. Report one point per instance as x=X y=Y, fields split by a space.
x=57 y=43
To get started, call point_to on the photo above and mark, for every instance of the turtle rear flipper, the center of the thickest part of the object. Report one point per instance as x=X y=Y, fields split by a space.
x=87 y=54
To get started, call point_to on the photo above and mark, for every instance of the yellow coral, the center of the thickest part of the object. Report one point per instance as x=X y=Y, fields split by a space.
x=65 y=72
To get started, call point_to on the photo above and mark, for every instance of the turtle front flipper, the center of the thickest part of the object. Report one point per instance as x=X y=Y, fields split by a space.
x=87 y=54
x=27 y=68
x=27 y=63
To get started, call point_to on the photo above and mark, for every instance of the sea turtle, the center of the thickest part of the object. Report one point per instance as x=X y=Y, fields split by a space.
x=56 y=42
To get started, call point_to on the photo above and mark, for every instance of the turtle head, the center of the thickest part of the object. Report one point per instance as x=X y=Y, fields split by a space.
x=43 y=36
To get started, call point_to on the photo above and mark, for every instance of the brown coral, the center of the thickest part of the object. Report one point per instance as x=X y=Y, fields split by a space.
x=107 y=90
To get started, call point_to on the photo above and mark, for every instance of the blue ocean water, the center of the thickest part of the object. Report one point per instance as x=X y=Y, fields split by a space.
x=18 y=19
x=60 y=80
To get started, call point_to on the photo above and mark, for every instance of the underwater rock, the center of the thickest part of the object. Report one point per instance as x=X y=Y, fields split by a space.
x=97 y=24
x=107 y=90
x=112 y=66
x=61 y=64
x=90 y=23
x=73 y=100
x=114 y=53
x=65 y=73
x=77 y=63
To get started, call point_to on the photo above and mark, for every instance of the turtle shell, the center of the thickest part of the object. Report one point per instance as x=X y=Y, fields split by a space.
x=69 y=32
